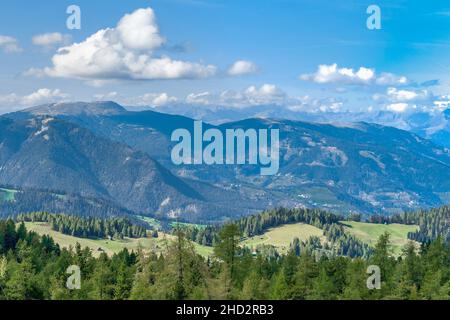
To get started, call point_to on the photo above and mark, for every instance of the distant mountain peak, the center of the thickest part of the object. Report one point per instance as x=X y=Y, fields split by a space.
x=77 y=108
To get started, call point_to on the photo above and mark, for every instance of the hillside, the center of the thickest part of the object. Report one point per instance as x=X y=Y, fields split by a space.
x=356 y=167
x=14 y=201
x=282 y=237
x=370 y=233
x=62 y=156
x=58 y=155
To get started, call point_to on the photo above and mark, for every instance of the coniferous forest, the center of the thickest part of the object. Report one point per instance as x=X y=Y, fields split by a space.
x=34 y=267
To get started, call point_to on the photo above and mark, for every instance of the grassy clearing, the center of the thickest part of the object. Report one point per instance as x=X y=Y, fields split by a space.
x=190 y=225
x=111 y=246
x=151 y=221
x=203 y=250
x=282 y=236
x=370 y=232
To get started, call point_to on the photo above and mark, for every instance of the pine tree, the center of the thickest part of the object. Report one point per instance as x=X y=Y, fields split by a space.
x=124 y=282
x=323 y=287
x=227 y=247
x=279 y=289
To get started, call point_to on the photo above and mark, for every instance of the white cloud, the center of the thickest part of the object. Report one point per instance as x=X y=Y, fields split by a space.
x=203 y=98
x=398 y=107
x=13 y=101
x=401 y=100
x=363 y=76
x=162 y=99
x=266 y=90
x=386 y=79
x=152 y=100
x=144 y=100
x=315 y=105
x=8 y=100
x=242 y=67
x=50 y=39
x=442 y=103
x=267 y=94
x=406 y=95
x=140 y=31
x=253 y=95
x=124 y=52
x=107 y=96
x=9 y=44
x=43 y=96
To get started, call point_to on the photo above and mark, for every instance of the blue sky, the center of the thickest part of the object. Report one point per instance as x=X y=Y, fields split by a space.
x=280 y=45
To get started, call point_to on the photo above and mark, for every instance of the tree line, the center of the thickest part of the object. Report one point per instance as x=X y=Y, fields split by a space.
x=30 y=200
x=432 y=223
x=87 y=227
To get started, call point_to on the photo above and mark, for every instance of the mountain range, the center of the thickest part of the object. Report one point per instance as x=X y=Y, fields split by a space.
x=433 y=125
x=104 y=151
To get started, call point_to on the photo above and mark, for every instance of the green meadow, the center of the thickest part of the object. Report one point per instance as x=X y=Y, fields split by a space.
x=370 y=232
x=111 y=247
x=282 y=236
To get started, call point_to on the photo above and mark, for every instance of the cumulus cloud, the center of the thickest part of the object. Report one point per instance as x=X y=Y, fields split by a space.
x=43 y=96
x=402 y=100
x=139 y=30
x=266 y=90
x=398 y=107
x=124 y=52
x=407 y=95
x=242 y=67
x=145 y=100
x=50 y=39
x=13 y=101
x=9 y=44
x=152 y=100
x=363 y=76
